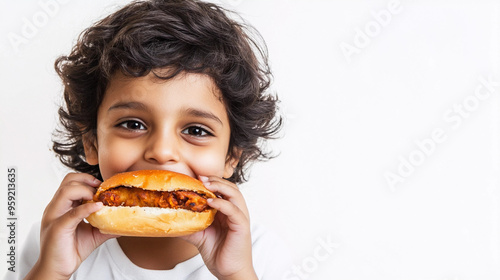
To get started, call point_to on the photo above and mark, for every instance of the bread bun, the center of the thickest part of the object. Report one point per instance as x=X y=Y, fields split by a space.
x=151 y=221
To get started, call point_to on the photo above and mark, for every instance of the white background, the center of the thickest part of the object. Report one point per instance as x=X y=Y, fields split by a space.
x=351 y=119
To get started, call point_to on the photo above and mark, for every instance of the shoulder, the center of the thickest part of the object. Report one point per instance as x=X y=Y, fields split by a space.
x=271 y=255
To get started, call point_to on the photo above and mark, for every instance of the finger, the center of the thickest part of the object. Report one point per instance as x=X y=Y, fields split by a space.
x=75 y=216
x=221 y=186
x=76 y=180
x=68 y=197
x=209 y=179
x=228 y=190
x=236 y=219
x=74 y=189
x=83 y=178
x=100 y=238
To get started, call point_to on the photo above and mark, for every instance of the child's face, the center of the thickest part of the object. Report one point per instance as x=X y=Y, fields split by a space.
x=179 y=125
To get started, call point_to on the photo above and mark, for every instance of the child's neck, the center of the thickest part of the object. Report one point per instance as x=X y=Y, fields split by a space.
x=156 y=253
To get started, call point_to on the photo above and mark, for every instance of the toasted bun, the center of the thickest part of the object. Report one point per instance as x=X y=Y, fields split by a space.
x=151 y=221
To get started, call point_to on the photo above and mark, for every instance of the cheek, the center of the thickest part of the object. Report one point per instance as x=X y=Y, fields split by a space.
x=209 y=163
x=116 y=156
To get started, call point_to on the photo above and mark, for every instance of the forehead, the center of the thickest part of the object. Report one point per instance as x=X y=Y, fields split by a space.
x=196 y=88
x=181 y=83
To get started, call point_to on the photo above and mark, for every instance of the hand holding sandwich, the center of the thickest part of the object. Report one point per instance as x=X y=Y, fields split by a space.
x=226 y=246
x=65 y=240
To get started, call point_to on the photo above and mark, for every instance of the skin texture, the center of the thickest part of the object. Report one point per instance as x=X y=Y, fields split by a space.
x=179 y=125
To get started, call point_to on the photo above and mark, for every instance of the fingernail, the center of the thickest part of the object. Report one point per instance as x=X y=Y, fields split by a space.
x=97 y=181
x=210 y=200
x=203 y=178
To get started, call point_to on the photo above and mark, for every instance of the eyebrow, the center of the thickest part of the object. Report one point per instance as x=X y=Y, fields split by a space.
x=128 y=105
x=202 y=114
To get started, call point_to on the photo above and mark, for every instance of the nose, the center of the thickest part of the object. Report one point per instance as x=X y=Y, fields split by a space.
x=162 y=148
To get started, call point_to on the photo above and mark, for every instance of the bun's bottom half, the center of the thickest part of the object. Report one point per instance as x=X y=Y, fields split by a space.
x=150 y=221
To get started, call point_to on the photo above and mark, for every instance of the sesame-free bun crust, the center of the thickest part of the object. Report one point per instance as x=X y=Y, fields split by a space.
x=151 y=221
x=155 y=180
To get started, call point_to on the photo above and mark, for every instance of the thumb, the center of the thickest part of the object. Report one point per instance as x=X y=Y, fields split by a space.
x=195 y=239
x=100 y=238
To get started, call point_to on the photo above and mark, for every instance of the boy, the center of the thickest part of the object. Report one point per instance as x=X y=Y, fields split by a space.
x=174 y=85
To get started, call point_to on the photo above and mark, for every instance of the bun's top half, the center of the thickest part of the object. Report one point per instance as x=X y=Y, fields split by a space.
x=155 y=180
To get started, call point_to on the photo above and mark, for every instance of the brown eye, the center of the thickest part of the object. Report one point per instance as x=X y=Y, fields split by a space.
x=196 y=131
x=132 y=125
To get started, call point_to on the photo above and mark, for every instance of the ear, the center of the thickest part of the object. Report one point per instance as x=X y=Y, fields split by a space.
x=90 y=147
x=231 y=162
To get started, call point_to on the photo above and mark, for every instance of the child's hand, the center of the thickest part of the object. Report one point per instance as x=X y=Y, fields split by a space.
x=65 y=240
x=226 y=245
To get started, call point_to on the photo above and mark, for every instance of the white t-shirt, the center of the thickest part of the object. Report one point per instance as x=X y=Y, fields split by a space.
x=271 y=259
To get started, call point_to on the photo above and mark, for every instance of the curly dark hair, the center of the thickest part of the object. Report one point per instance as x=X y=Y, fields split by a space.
x=183 y=36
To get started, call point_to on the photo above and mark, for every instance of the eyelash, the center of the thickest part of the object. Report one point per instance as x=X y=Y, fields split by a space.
x=202 y=130
x=126 y=123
